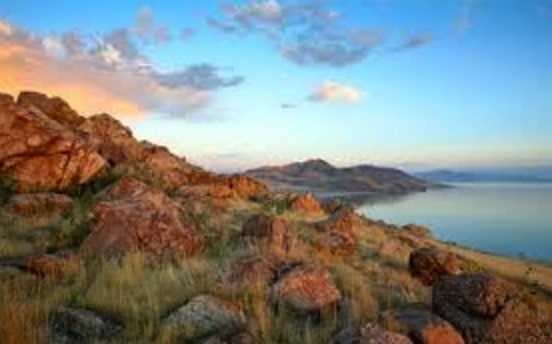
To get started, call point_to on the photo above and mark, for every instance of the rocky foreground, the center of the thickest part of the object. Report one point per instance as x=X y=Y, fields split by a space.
x=105 y=239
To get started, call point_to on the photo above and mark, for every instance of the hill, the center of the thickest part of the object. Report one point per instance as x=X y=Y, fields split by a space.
x=107 y=239
x=322 y=178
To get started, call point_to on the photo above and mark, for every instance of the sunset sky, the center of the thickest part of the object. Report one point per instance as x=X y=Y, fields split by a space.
x=237 y=84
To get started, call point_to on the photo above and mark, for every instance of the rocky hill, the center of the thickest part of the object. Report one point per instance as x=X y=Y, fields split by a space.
x=322 y=178
x=106 y=239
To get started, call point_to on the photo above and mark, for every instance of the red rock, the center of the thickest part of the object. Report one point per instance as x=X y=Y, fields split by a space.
x=428 y=264
x=271 y=230
x=245 y=187
x=38 y=203
x=368 y=334
x=306 y=289
x=487 y=309
x=55 y=108
x=50 y=265
x=40 y=154
x=306 y=203
x=119 y=147
x=336 y=234
x=423 y=326
x=143 y=219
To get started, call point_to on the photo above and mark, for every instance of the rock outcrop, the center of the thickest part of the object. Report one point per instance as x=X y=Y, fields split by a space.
x=53 y=265
x=136 y=217
x=336 y=234
x=39 y=153
x=486 y=309
x=368 y=334
x=202 y=317
x=428 y=264
x=76 y=325
x=306 y=289
x=422 y=326
x=119 y=147
x=306 y=204
x=268 y=230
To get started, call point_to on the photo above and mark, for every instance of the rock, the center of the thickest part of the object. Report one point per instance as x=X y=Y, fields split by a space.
x=416 y=231
x=422 y=326
x=486 y=309
x=140 y=218
x=428 y=264
x=202 y=317
x=306 y=203
x=245 y=187
x=75 y=325
x=149 y=161
x=262 y=270
x=336 y=233
x=38 y=204
x=368 y=334
x=268 y=230
x=40 y=154
x=239 y=338
x=55 y=108
x=335 y=206
x=6 y=98
x=306 y=289
x=53 y=265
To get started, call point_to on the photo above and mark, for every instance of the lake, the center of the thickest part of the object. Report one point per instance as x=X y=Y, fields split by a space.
x=513 y=219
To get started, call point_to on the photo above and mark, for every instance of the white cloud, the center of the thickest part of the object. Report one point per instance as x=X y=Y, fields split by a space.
x=334 y=92
x=5 y=28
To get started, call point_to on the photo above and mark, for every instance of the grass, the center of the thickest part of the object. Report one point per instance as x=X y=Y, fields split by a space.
x=140 y=293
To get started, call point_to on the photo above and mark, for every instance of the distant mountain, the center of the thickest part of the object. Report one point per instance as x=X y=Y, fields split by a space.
x=529 y=175
x=321 y=177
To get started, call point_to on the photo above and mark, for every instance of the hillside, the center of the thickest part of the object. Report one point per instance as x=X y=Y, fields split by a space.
x=107 y=239
x=322 y=178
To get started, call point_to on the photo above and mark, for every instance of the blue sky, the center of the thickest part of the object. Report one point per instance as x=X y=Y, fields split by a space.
x=236 y=84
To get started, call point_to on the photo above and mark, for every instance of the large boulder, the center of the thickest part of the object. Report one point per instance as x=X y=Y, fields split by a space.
x=368 y=334
x=76 y=325
x=422 y=326
x=306 y=204
x=428 y=264
x=202 y=317
x=336 y=234
x=487 y=309
x=39 y=153
x=306 y=289
x=268 y=230
x=156 y=163
x=136 y=217
x=55 y=107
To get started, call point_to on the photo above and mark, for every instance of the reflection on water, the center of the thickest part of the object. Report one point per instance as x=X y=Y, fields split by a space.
x=505 y=218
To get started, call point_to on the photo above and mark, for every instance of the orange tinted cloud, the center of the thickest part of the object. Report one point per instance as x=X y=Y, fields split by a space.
x=25 y=65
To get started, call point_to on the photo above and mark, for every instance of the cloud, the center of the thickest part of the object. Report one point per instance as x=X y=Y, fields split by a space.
x=202 y=77
x=305 y=33
x=415 y=41
x=103 y=73
x=334 y=92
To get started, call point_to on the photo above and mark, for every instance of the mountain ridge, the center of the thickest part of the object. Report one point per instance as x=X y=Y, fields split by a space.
x=321 y=177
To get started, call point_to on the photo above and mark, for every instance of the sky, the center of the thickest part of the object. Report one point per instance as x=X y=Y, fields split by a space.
x=236 y=84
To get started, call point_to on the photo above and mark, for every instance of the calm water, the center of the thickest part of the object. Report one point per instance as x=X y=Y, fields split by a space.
x=504 y=218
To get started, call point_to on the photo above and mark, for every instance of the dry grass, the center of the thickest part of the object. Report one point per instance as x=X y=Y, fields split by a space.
x=374 y=278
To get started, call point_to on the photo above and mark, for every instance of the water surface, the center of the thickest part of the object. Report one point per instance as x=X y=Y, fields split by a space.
x=513 y=219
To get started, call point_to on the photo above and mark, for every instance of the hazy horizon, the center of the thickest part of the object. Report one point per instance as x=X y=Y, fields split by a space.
x=233 y=85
